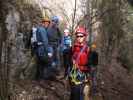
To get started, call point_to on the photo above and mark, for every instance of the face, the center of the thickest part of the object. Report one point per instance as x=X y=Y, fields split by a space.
x=93 y=48
x=54 y=23
x=66 y=33
x=80 y=38
x=46 y=24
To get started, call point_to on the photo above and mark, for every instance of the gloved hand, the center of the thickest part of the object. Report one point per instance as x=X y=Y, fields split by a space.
x=39 y=43
x=50 y=51
x=50 y=54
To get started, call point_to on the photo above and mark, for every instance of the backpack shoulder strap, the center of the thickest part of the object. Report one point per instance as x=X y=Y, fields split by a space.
x=81 y=52
x=58 y=32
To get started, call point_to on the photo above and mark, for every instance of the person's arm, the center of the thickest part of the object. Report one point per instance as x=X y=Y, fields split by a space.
x=59 y=35
x=62 y=41
x=44 y=37
x=95 y=59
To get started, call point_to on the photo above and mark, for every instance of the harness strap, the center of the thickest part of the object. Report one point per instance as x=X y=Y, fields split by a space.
x=80 y=53
x=76 y=72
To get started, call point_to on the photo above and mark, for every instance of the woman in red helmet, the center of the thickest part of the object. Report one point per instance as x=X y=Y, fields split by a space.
x=79 y=75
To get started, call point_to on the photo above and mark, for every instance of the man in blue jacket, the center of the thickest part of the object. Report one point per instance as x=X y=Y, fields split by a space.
x=41 y=49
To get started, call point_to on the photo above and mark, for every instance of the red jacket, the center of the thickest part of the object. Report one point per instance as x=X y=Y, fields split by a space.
x=81 y=58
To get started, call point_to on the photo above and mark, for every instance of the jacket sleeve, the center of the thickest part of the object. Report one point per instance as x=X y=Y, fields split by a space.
x=93 y=59
x=59 y=35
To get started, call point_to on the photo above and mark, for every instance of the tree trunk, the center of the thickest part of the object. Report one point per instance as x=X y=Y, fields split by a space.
x=114 y=79
x=3 y=55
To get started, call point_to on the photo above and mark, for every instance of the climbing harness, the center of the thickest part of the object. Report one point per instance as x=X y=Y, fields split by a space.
x=76 y=76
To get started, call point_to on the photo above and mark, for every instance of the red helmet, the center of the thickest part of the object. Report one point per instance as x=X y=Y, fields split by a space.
x=81 y=30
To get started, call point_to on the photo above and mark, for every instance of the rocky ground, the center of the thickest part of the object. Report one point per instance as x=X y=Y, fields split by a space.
x=57 y=89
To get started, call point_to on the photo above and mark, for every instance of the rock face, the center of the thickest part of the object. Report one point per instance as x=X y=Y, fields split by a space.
x=19 y=22
x=16 y=21
x=43 y=90
x=17 y=65
x=15 y=40
x=115 y=80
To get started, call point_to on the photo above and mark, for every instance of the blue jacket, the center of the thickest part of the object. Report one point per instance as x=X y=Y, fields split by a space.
x=42 y=43
x=66 y=43
x=41 y=35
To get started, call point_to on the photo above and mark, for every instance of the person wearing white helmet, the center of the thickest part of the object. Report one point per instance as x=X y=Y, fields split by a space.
x=66 y=48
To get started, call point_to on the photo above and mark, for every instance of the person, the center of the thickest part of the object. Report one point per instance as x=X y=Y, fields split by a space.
x=54 y=40
x=41 y=49
x=80 y=72
x=66 y=48
x=93 y=62
x=33 y=40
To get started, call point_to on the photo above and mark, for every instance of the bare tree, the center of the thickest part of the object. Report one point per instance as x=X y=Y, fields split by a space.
x=111 y=32
x=3 y=55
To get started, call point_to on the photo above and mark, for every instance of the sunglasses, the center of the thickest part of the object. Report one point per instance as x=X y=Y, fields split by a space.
x=54 y=21
x=79 y=36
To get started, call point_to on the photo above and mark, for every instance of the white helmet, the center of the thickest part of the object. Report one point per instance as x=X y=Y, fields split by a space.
x=66 y=31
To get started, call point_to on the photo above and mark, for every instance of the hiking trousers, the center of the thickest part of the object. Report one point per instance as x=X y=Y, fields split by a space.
x=77 y=92
x=67 y=62
x=40 y=69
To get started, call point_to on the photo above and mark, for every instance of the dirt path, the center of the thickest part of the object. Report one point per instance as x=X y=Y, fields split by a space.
x=57 y=89
x=43 y=90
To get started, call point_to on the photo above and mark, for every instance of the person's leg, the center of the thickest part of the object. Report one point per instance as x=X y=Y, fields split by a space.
x=42 y=65
x=46 y=71
x=65 y=61
x=52 y=66
x=55 y=54
x=56 y=60
x=94 y=81
x=75 y=92
x=57 y=57
x=39 y=68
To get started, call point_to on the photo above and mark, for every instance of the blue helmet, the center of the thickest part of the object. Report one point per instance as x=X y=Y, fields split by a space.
x=55 y=19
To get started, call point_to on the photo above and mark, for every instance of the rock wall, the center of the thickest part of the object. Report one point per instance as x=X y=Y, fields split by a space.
x=16 y=21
